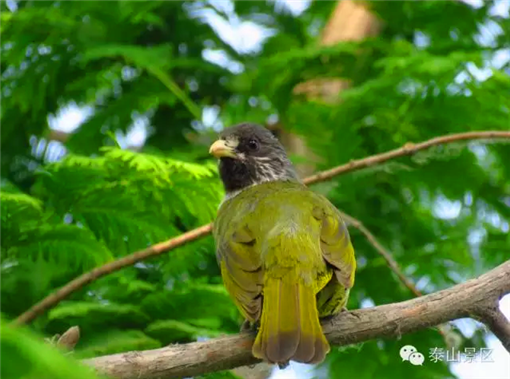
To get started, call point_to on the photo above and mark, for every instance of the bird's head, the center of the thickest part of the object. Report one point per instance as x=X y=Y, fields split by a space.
x=250 y=154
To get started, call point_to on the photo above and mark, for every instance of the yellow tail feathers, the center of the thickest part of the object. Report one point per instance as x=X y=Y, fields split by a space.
x=289 y=326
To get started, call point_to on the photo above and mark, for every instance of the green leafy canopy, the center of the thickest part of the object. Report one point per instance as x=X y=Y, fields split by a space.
x=153 y=80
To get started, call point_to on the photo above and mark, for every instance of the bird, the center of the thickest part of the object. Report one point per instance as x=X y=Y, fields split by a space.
x=284 y=251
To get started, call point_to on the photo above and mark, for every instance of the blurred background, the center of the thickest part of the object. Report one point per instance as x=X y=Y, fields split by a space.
x=107 y=112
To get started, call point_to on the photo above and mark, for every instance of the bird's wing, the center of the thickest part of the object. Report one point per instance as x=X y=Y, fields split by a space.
x=336 y=244
x=241 y=269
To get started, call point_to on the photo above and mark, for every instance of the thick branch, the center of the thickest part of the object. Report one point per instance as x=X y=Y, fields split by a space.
x=496 y=322
x=347 y=328
x=163 y=247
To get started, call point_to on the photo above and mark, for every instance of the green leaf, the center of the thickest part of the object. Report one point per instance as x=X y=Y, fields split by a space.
x=172 y=331
x=25 y=355
x=74 y=313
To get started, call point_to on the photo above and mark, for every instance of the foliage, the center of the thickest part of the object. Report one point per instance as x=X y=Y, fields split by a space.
x=29 y=357
x=77 y=199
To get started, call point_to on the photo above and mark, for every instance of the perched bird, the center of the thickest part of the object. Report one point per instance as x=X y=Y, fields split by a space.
x=285 y=254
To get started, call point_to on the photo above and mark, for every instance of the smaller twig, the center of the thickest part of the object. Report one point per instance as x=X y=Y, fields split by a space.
x=392 y=263
x=74 y=285
x=497 y=323
x=408 y=149
x=70 y=338
x=66 y=341
x=169 y=83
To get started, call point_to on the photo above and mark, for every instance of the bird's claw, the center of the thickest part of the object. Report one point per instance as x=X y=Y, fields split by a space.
x=283 y=365
x=248 y=326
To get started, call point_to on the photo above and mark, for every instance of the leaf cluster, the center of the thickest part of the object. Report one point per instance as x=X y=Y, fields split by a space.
x=72 y=200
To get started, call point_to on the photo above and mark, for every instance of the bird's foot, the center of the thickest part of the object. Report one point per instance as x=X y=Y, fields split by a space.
x=283 y=365
x=329 y=317
x=245 y=326
x=248 y=326
x=326 y=318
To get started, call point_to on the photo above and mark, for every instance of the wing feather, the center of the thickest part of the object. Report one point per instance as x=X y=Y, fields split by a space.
x=336 y=245
x=241 y=269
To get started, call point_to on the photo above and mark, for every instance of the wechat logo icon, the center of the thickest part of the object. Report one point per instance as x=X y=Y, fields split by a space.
x=411 y=354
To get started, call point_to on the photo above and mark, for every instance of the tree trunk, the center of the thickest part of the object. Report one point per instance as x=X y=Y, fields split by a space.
x=350 y=21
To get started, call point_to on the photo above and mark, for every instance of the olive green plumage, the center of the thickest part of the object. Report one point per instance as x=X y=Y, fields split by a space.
x=285 y=253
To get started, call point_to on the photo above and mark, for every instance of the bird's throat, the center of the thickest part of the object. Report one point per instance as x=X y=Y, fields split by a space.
x=238 y=175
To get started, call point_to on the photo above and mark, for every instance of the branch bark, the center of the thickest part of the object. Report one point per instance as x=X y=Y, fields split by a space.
x=389 y=321
x=496 y=321
x=163 y=247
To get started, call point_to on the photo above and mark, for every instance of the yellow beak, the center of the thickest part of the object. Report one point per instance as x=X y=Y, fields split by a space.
x=220 y=149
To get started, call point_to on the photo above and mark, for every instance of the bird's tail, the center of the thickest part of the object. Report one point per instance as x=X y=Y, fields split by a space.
x=289 y=326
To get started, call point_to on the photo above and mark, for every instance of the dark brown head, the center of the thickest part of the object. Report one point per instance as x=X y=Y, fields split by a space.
x=250 y=154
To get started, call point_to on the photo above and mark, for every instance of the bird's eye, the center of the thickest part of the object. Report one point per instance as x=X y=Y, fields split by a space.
x=253 y=144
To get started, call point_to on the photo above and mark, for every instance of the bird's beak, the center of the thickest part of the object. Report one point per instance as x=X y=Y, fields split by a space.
x=220 y=149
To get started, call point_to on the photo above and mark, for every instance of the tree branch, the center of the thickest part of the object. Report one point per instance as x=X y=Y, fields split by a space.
x=496 y=322
x=408 y=149
x=163 y=247
x=390 y=321
x=82 y=280
x=392 y=263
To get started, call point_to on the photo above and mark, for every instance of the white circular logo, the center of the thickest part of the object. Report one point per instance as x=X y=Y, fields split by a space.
x=416 y=359
x=406 y=351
